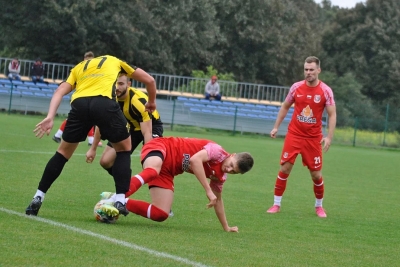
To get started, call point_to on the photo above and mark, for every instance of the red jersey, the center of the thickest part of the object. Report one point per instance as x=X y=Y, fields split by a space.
x=177 y=152
x=309 y=104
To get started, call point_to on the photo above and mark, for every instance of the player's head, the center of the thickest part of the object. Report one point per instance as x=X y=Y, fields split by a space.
x=311 y=70
x=238 y=163
x=123 y=83
x=88 y=55
x=214 y=78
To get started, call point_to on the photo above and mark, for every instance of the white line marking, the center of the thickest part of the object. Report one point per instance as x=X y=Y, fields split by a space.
x=49 y=153
x=108 y=239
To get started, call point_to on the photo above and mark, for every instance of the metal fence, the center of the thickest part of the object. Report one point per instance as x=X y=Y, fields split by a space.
x=169 y=83
x=52 y=71
x=238 y=119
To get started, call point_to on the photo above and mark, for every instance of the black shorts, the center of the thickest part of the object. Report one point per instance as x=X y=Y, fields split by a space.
x=101 y=111
x=137 y=136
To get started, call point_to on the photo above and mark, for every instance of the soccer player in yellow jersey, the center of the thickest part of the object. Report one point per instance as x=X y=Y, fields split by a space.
x=143 y=125
x=93 y=103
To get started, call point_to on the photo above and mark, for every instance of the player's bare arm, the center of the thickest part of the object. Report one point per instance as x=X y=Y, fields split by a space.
x=196 y=165
x=142 y=76
x=279 y=118
x=91 y=153
x=147 y=130
x=220 y=212
x=45 y=126
x=331 y=110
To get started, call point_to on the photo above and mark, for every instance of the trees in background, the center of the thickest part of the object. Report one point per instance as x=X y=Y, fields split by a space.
x=257 y=41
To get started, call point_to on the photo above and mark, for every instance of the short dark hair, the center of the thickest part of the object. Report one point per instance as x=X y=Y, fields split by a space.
x=245 y=161
x=312 y=59
x=88 y=54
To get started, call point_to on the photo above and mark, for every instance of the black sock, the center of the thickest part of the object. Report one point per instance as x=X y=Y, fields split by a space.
x=122 y=172
x=52 y=171
x=110 y=170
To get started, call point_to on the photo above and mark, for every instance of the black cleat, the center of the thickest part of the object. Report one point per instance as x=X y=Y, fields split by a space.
x=121 y=208
x=34 y=207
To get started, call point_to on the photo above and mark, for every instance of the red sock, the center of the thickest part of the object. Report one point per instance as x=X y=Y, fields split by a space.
x=319 y=188
x=146 y=210
x=140 y=179
x=280 y=184
x=91 y=132
x=62 y=127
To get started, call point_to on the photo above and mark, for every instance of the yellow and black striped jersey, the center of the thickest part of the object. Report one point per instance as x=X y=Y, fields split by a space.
x=97 y=76
x=134 y=109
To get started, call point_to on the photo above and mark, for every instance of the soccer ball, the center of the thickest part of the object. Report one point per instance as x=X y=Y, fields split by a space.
x=100 y=214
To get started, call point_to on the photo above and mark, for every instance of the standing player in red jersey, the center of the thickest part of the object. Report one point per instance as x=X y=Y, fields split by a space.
x=164 y=158
x=310 y=97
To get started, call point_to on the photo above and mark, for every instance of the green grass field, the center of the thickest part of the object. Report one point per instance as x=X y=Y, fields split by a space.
x=361 y=198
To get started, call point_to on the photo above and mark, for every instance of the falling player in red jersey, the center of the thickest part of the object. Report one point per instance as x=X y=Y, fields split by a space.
x=164 y=158
x=310 y=97
x=57 y=137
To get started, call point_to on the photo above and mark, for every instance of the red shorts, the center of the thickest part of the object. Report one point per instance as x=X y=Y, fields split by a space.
x=165 y=179
x=309 y=149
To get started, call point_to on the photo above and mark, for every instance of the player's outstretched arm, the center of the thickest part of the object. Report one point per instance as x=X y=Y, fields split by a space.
x=147 y=130
x=142 y=76
x=91 y=153
x=279 y=118
x=220 y=212
x=196 y=164
x=45 y=126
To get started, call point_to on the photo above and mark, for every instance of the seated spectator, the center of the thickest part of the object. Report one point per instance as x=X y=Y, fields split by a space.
x=37 y=71
x=13 y=70
x=212 y=89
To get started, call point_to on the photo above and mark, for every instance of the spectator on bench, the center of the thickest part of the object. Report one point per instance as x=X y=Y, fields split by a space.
x=37 y=71
x=14 y=69
x=212 y=89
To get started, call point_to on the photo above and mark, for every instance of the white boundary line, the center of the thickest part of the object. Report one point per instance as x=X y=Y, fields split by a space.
x=108 y=239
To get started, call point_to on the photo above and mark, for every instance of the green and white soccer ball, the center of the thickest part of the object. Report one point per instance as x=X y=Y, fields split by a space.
x=100 y=214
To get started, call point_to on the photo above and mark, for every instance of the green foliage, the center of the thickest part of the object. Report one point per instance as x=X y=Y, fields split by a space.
x=351 y=102
x=267 y=40
x=262 y=42
x=212 y=71
x=197 y=86
x=366 y=41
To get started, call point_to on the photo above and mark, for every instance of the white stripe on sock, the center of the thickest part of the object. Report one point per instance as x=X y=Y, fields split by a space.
x=149 y=211
x=140 y=178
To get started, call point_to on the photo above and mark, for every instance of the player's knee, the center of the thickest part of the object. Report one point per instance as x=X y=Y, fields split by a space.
x=157 y=214
x=104 y=163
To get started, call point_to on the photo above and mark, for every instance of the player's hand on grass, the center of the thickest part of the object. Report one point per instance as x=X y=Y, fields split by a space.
x=234 y=229
x=43 y=127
